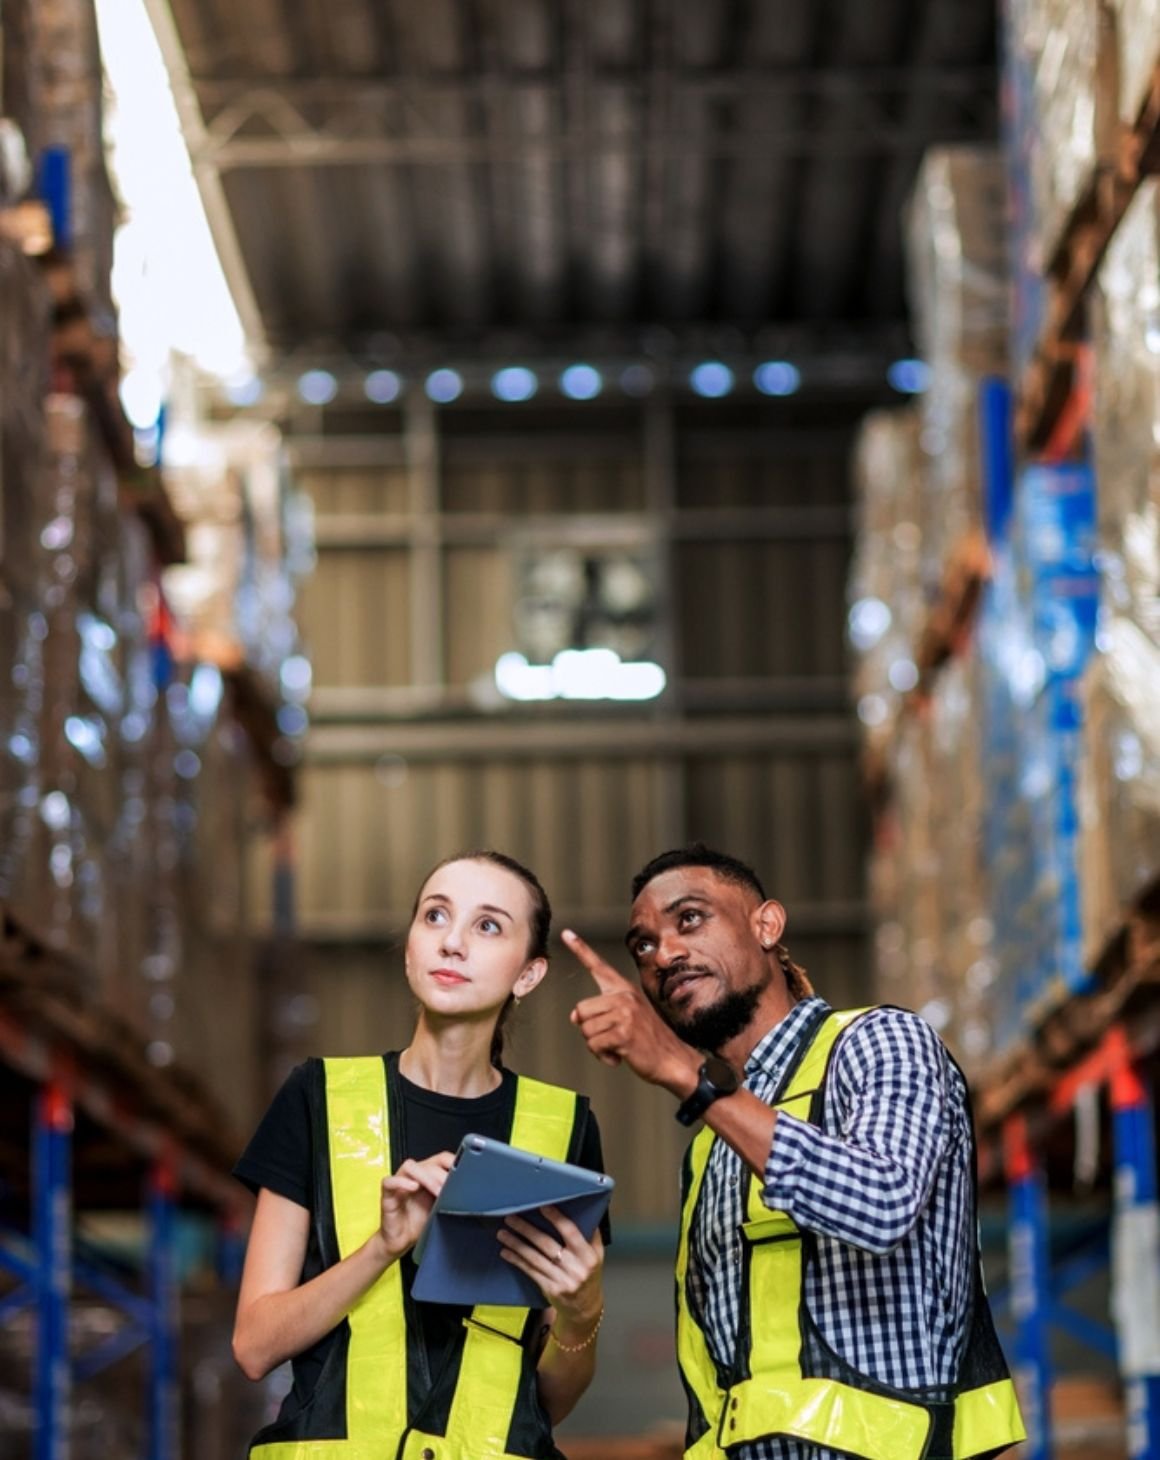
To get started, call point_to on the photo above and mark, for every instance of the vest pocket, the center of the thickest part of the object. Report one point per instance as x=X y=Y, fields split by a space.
x=771 y=1227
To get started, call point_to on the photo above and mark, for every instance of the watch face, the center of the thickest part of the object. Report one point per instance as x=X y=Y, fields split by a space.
x=720 y=1074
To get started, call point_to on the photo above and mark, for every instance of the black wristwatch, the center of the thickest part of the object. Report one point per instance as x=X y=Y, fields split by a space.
x=715 y=1078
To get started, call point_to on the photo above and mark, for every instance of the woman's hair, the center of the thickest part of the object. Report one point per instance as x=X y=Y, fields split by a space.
x=540 y=921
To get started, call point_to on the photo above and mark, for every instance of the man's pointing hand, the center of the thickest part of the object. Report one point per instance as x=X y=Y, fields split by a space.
x=619 y=1024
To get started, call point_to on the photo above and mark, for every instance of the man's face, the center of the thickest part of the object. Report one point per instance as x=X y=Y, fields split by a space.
x=695 y=939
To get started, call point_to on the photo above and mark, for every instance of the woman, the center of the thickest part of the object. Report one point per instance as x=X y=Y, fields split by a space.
x=347 y=1164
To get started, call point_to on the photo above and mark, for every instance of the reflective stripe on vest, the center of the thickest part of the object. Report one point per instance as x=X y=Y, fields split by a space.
x=376 y=1374
x=778 y=1399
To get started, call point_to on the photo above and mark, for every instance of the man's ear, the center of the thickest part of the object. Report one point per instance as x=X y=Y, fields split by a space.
x=532 y=975
x=769 y=922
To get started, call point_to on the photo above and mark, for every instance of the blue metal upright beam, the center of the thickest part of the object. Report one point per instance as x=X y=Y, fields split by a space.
x=52 y=1233
x=1030 y=1259
x=164 y=1394
x=1136 y=1271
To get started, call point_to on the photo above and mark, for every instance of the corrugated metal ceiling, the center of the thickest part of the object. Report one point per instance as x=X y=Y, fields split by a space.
x=478 y=171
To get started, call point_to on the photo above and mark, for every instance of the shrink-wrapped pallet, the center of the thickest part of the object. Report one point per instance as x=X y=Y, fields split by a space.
x=234 y=595
x=885 y=592
x=1119 y=782
x=957 y=269
x=63 y=87
x=1137 y=26
x=1067 y=49
x=929 y=890
x=1126 y=418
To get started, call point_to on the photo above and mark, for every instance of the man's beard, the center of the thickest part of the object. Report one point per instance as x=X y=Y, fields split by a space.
x=710 y=1028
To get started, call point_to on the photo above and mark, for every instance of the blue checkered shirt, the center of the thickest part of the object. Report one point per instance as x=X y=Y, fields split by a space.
x=885 y=1184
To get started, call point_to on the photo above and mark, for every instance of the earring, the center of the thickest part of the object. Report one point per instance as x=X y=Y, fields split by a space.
x=516 y=1000
x=768 y=947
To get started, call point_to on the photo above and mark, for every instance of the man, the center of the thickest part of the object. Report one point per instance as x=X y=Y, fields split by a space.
x=829 y=1298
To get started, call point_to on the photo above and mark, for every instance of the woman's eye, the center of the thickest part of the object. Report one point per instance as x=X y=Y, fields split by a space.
x=434 y=915
x=489 y=925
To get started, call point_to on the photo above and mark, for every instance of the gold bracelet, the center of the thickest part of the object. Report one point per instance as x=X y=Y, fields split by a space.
x=577 y=1348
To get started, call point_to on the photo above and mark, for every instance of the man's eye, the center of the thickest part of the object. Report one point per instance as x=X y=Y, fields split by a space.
x=688 y=916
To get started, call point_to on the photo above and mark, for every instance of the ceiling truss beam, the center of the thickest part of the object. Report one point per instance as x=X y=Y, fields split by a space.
x=331 y=121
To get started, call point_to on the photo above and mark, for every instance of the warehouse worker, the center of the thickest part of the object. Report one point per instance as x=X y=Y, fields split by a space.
x=829 y=1291
x=347 y=1164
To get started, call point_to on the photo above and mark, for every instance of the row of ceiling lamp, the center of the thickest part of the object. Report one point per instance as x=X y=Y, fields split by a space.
x=711 y=379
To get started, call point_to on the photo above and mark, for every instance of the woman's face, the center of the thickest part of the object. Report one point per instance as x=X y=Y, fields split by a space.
x=467 y=949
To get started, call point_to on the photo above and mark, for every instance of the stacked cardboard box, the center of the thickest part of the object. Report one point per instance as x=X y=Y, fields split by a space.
x=927 y=877
x=1120 y=779
x=887 y=602
x=235 y=593
x=24 y=362
x=1137 y=32
x=124 y=782
x=919 y=488
x=958 y=276
x=57 y=74
x=1062 y=57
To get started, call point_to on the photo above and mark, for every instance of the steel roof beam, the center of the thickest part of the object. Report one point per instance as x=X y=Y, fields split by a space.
x=308 y=146
x=218 y=90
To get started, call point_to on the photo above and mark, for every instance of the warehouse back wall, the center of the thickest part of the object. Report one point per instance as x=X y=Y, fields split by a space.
x=736 y=514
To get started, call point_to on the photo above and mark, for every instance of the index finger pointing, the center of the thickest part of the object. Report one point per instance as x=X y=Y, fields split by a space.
x=608 y=981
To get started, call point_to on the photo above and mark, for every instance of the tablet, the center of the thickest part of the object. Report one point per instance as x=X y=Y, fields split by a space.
x=458 y=1253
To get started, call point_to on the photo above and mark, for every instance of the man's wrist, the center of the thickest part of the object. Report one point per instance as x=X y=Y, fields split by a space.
x=716 y=1080
x=684 y=1074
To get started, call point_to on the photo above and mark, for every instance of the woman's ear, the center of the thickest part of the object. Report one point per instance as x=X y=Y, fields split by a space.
x=532 y=975
x=769 y=922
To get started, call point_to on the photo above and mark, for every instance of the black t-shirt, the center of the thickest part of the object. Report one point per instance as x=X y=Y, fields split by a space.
x=281 y=1157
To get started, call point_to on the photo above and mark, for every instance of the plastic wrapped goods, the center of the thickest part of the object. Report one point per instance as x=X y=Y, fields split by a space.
x=1126 y=424
x=24 y=366
x=957 y=266
x=1137 y=24
x=64 y=91
x=887 y=604
x=1119 y=782
x=957 y=260
x=927 y=878
x=1068 y=49
x=234 y=597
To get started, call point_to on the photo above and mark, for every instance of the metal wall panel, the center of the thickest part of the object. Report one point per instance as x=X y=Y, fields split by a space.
x=355 y=490
x=477 y=611
x=746 y=467
x=368 y=832
x=572 y=483
x=761 y=608
x=796 y=819
x=356 y=617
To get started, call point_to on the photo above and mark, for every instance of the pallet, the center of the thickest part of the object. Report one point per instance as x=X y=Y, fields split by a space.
x=1039 y=1076
x=52 y=1028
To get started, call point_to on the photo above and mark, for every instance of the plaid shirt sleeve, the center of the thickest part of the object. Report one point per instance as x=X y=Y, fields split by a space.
x=866 y=1177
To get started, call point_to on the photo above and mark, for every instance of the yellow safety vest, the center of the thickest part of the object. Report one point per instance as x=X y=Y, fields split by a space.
x=769 y=1394
x=493 y=1365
